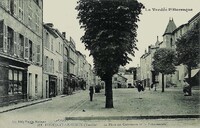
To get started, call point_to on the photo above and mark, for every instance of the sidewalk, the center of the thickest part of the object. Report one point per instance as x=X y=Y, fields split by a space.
x=19 y=105
x=150 y=104
x=22 y=105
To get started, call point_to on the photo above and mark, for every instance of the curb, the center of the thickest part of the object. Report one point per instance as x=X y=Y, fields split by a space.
x=26 y=105
x=133 y=117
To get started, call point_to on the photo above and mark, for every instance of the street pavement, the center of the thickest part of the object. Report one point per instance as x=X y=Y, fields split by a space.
x=131 y=109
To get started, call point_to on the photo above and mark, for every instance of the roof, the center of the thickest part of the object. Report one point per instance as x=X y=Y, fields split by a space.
x=194 y=17
x=193 y=72
x=170 y=27
x=50 y=30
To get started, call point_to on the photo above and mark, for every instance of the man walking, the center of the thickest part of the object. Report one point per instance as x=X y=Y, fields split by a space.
x=91 y=92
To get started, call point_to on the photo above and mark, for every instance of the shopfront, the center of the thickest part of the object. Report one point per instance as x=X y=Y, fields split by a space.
x=13 y=81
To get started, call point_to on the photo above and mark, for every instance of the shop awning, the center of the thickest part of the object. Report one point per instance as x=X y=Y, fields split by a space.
x=193 y=73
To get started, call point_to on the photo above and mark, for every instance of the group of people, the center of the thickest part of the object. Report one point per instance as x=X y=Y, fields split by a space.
x=140 y=87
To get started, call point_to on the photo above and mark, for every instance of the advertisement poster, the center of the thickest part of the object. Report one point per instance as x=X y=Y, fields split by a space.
x=68 y=64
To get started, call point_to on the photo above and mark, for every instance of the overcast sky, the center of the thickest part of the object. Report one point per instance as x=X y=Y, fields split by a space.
x=63 y=15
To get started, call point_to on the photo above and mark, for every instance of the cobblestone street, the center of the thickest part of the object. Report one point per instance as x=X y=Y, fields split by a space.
x=166 y=109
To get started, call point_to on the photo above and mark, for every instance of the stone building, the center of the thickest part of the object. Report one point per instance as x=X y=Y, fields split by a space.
x=119 y=81
x=20 y=50
x=59 y=63
x=147 y=74
x=50 y=61
x=170 y=36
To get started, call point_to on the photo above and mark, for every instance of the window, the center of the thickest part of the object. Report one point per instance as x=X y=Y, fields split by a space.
x=36 y=83
x=59 y=47
x=45 y=63
x=47 y=40
x=21 y=46
x=10 y=77
x=15 y=82
x=52 y=65
x=37 y=2
x=10 y=39
x=171 y=42
x=51 y=44
x=115 y=79
x=12 y=6
x=65 y=52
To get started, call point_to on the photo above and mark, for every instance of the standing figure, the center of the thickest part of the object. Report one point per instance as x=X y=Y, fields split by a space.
x=140 y=88
x=91 y=92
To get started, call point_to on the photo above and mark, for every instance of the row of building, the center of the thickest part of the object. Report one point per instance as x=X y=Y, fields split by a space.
x=170 y=36
x=37 y=60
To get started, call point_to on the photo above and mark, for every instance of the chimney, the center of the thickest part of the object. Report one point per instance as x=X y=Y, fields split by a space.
x=157 y=39
x=149 y=50
x=49 y=24
x=64 y=34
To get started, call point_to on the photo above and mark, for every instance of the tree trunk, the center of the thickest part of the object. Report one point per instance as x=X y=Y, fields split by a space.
x=163 y=84
x=109 y=93
x=189 y=79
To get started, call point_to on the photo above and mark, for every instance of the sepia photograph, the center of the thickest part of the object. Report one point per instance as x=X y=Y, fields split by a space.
x=99 y=63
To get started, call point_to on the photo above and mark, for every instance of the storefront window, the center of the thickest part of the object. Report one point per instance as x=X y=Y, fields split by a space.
x=10 y=75
x=15 y=82
x=20 y=76
x=15 y=75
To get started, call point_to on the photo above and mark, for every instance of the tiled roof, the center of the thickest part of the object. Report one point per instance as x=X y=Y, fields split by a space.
x=170 y=27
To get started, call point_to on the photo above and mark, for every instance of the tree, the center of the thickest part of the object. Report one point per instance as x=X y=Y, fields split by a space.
x=188 y=49
x=164 y=62
x=110 y=35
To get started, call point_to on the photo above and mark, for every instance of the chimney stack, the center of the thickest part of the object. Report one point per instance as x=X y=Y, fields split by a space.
x=49 y=24
x=64 y=34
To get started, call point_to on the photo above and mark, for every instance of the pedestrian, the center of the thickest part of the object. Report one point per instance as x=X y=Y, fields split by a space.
x=91 y=92
x=186 y=88
x=140 y=88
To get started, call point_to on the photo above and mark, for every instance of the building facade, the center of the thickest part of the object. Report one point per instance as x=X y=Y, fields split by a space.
x=21 y=49
x=170 y=36
x=50 y=61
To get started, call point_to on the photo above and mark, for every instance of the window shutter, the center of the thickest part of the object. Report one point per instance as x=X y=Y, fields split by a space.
x=22 y=42
x=8 y=5
x=33 y=52
x=38 y=54
x=5 y=44
x=15 y=44
x=18 y=45
x=1 y=35
x=26 y=49
x=15 y=8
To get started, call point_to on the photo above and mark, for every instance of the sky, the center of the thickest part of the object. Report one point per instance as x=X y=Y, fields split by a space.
x=63 y=15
